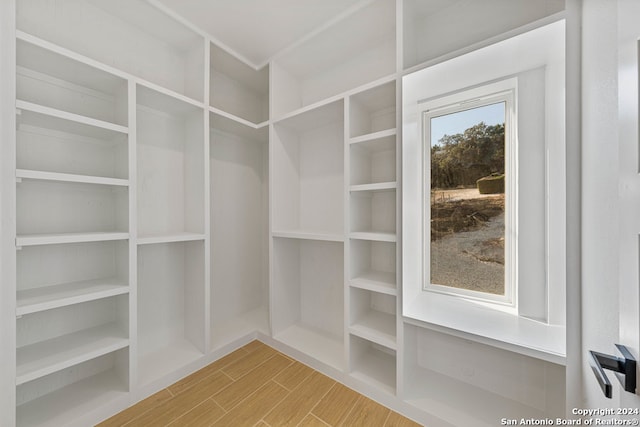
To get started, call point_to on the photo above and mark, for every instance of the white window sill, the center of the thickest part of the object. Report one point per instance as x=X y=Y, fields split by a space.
x=476 y=322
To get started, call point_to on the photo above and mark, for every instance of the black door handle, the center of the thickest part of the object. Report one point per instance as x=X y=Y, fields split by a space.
x=625 y=366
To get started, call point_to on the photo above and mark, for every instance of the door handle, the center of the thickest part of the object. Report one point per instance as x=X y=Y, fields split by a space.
x=624 y=366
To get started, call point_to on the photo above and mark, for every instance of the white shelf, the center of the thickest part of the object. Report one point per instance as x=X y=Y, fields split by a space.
x=219 y=121
x=67 y=177
x=373 y=112
x=238 y=88
x=373 y=365
x=357 y=49
x=155 y=365
x=36 y=116
x=134 y=37
x=439 y=395
x=376 y=327
x=59 y=238
x=373 y=236
x=382 y=136
x=322 y=347
x=236 y=119
x=309 y=235
x=170 y=238
x=43 y=358
x=380 y=186
x=49 y=76
x=72 y=402
x=307 y=172
x=72 y=117
x=60 y=295
x=377 y=281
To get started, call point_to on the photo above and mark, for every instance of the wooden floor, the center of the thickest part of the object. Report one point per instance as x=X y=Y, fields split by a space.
x=257 y=386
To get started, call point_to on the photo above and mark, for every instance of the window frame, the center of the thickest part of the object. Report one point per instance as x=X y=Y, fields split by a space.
x=467 y=99
x=537 y=328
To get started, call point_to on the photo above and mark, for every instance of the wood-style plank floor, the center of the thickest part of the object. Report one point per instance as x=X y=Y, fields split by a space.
x=257 y=386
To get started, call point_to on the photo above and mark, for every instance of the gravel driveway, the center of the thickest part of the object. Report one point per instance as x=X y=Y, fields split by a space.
x=471 y=260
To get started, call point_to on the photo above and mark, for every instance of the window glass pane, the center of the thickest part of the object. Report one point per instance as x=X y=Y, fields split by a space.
x=468 y=199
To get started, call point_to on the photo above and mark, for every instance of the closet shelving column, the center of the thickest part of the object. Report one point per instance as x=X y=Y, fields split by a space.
x=307 y=230
x=72 y=171
x=371 y=262
x=170 y=138
x=239 y=146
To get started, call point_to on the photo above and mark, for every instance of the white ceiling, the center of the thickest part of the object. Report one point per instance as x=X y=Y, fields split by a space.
x=258 y=29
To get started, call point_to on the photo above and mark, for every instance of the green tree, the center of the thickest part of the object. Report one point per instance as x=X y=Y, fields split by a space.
x=463 y=158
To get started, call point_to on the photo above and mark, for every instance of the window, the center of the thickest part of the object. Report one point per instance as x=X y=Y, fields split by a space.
x=469 y=174
x=515 y=86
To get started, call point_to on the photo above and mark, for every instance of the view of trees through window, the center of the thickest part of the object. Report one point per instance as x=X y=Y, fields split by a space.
x=468 y=199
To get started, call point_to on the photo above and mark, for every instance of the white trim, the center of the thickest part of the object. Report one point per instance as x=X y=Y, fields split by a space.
x=540 y=49
x=467 y=99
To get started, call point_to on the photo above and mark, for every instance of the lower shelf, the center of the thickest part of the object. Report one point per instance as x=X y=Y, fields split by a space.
x=73 y=402
x=59 y=238
x=155 y=365
x=377 y=327
x=373 y=364
x=40 y=359
x=459 y=403
x=327 y=349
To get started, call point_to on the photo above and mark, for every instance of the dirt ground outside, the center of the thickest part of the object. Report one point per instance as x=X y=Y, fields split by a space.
x=467 y=240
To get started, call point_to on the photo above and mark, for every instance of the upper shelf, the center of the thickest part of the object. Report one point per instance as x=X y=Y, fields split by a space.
x=57 y=120
x=237 y=88
x=433 y=29
x=72 y=89
x=358 y=49
x=165 y=52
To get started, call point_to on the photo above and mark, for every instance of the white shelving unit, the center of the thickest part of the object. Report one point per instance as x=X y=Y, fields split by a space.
x=239 y=236
x=371 y=275
x=174 y=202
x=60 y=349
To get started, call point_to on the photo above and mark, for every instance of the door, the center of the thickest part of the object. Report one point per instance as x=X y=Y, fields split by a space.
x=610 y=194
